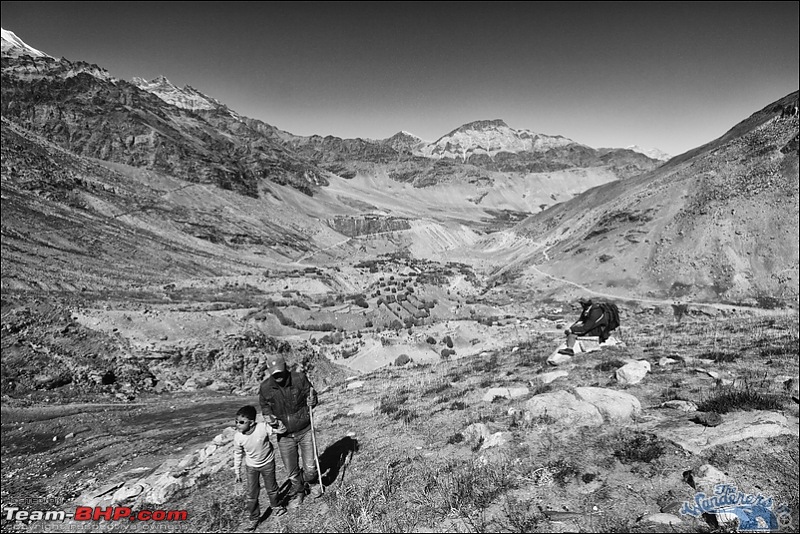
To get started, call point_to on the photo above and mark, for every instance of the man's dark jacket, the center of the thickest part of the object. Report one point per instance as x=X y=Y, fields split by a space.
x=288 y=402
x=592 y=322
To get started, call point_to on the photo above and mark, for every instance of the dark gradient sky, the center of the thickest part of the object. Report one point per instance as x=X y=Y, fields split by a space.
x=666 y=75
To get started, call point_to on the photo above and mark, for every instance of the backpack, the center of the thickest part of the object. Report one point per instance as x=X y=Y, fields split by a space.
x=612 y=312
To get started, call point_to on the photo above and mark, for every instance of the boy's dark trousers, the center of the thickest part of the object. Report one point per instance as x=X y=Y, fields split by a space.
x=267 y=473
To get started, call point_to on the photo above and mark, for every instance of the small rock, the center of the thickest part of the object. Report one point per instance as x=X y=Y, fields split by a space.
x=632 y=373
x=355 y=384
x=476 y=432
x=705 y=477
x=559 y=359
x=70 y=435
x=126 y=493
x=707 y=419
x=496 y=440
x=663 y=362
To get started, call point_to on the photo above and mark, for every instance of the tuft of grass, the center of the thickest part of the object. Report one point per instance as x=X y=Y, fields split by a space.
x=391 y=405
x=639 y=447
x=436 y=388
x=562 y=471
x=458 y=405
x=458 y=437
x=520 y=516
x=542 y=388
x=405 y=415
x=609 y=365
x=740 y=399
x=464 y=487
x=719 y=356
x=486 y=366
x=541 y=420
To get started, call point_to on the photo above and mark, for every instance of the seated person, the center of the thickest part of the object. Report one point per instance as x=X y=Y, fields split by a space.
x=592 y=322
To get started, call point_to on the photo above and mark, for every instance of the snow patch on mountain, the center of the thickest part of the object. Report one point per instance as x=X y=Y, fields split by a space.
x=186 y=98
x=652 y=153
x=490 y=137
x=16 y=47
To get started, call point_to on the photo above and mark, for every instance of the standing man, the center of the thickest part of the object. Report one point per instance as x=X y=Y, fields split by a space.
x=286 y=397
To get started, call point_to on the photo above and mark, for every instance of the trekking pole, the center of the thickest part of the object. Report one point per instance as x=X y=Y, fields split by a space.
x=314 y=444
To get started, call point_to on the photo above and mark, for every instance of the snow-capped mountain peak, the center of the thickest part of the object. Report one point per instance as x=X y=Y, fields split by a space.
x=14 y=46
x=186 y=98
x=652 y=153
x=490 y=137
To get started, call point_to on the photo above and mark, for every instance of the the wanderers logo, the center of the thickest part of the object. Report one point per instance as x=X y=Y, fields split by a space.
x=750 y=513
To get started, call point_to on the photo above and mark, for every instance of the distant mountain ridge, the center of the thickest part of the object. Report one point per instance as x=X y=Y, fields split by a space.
x=653 y=153
x=490 y=137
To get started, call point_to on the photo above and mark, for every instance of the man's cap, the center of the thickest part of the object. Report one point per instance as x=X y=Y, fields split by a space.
x=585 y=300
x=276 y=364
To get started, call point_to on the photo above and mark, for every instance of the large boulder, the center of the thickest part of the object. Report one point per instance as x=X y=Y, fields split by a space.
x=735 y=426
x=613 y=405
x=564 y=408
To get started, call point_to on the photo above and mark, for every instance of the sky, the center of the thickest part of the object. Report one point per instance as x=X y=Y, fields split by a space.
x=666 y=75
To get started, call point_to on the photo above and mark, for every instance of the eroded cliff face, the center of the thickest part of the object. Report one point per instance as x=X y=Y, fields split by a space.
x=367 y=225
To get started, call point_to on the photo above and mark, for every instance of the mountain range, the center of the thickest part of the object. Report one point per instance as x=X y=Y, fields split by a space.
x=120 y=182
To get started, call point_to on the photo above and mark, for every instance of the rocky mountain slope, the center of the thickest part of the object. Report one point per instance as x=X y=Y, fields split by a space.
x=81 y=108
x=719 y=222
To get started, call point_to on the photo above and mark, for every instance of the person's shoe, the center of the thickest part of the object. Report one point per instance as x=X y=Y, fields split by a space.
x=278 y=511
x=568 y=351
x=296 y=501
